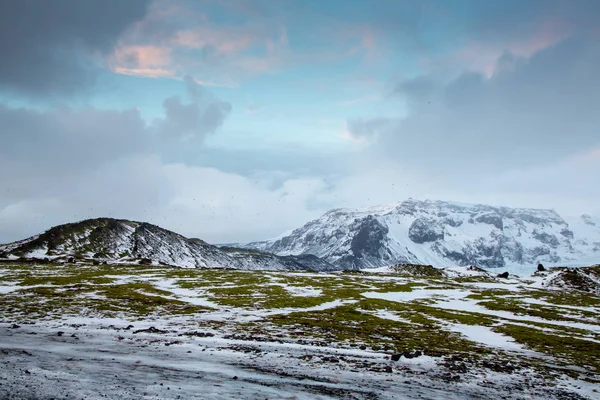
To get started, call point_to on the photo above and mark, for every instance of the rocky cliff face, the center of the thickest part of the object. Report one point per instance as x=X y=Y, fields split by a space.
x=442 y=234
x=113 y=240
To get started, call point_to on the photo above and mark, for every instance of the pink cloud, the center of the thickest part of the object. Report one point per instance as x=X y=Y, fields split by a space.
x=224 y=39
x=143 y=56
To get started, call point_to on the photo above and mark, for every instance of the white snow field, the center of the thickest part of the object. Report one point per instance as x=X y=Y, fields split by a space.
x=79 y=331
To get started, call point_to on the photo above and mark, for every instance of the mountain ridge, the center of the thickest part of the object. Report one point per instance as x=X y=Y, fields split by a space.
x=441 y=233
x=120 y=240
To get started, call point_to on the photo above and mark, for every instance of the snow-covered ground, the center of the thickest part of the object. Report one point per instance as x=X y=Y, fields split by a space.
x=134 y=332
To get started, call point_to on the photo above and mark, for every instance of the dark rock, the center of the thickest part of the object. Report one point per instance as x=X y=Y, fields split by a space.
x=363 y=347
x=235 y=378
x=503 y=275
x=504 y=367
x=423 y=230
x=15 y=326
x=546 y=238
x=198 y=334
x=433 y=353
x=492 y=219
x=458 y=367
x=396 y=356
x=128 y=327
x=541 y=268
x=71 y=260
x=567 y=233
x=150 y=330
x=388 y=369
x=412 y=354
x=60 y=333
x=418 y=270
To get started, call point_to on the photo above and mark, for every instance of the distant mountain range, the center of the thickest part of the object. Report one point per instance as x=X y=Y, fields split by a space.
x=442 y=234
x=116 y=240
x=438 y=233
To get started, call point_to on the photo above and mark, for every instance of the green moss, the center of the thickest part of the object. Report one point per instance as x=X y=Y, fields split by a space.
x=347 y=324
x=56 y=291
x=583 y=353
x=534 y=310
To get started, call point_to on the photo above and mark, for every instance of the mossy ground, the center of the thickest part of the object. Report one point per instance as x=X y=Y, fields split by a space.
x=52 y=291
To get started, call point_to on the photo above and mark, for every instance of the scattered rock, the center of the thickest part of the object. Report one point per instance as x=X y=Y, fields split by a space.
x=235 y=378
x=503 y=275
x=197 y=334
x=150 y=330
x=541 y=268
x=457 y=367
x=433 y=353
x=396 y=356
x=60 y=333
x=412 y=354
x=15 y=326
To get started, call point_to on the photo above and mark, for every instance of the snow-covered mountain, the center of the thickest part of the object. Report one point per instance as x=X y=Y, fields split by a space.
x=442 y=234
x=107 y=239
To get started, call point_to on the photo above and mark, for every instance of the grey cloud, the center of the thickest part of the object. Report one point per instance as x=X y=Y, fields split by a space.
x=46 y=45
x=499 y=20
x=48 y=153
x=531 y=112
x=418 y=90
x=203 y=115
x=40 y=149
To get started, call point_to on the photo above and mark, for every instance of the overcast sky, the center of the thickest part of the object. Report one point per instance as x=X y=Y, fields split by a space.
x=238 y=120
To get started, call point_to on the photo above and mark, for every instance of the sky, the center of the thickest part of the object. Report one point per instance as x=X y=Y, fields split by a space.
x=235 y=121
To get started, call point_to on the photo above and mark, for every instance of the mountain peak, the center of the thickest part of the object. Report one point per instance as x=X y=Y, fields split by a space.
x=440 y=233
x=120 y=240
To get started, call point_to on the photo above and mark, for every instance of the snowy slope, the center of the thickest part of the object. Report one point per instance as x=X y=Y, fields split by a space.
x=442 y=234
x=109 y=239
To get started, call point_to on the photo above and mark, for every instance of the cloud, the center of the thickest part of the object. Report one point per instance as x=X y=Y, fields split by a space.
x=184 y=38
x=51 y=48
x=367 y=129
x=530 y=112
x=41 y=148
x=203 y=115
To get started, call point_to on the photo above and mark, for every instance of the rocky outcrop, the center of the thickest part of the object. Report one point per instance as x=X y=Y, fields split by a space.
x=424 y=230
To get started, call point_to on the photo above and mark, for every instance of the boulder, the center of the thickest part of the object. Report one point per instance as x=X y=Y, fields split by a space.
x=541 y=268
